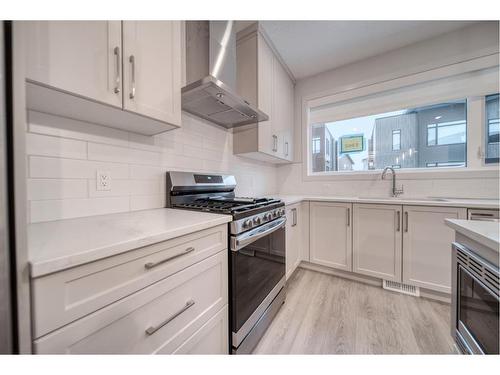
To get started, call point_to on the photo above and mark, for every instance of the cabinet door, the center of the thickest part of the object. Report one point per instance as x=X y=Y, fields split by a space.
x=283 y=111
x=80 y=57
x=293 y=238
x=427 y=246
x=377 y=240
x=265 y=93
x=330 y=234
x=152 y=69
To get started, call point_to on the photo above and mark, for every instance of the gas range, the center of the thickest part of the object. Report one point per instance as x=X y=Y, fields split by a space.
x=256 y=249
x=215 y=193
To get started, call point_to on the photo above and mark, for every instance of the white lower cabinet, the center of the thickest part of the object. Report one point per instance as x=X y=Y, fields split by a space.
x=377 y=241
x=427 y=246
x=293 y=237
x=330 y=234
x=212 y=338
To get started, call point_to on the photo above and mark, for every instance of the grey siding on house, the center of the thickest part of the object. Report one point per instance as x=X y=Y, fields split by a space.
x=323 y=160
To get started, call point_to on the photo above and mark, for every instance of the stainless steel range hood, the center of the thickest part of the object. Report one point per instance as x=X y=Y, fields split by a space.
x=210 y=92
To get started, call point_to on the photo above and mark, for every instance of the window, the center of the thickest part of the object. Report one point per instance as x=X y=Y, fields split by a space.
x=434 y=136
x=316 y=146
x=396 y=140
x=446 y=133
x=327 y=146
x=492 y=129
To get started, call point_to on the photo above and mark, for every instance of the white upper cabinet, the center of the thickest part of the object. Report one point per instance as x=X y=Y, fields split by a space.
x=427 y=246
x=152 y=66
x=377 y=241
x=82 y=58
x=330 y=234
x=263 y=81
x=133 y=66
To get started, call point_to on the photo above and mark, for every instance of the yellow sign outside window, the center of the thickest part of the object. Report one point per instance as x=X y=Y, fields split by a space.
x=353 y=143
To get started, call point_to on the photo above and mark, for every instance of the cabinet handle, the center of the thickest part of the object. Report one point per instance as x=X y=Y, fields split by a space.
x=348 y=217
x=152 y=329
x=406 y=219
x=398 y=221
x=150 y=265
x=294 y=217
x=275 y=143
x=132 y=76
x=116 y=52
x=286 y=148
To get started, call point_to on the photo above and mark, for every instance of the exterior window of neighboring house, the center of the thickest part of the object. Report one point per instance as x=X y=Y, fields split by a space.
x=327 y=147
x=396 y=140
x=446 y=133
x=492 y=129
x=316 y=145
x=445 y=164
x=396 y=166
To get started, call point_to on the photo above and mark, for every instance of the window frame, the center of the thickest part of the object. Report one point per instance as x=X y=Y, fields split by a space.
x=398 y=132
x=438 y=125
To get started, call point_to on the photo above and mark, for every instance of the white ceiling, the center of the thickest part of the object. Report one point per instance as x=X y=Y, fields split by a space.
x=311 y=47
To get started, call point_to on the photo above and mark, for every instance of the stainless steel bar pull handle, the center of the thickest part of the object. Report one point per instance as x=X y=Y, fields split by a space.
x=286 y=148
x=116 y=52
x=154 y=264
x=275 y=143
x=152 y=329
x=294 y=220
x=132 y=76
x=398 y=221
x=348 y=217
x=406 y=219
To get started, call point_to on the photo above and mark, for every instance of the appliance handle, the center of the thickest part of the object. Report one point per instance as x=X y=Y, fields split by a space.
x=253 y=235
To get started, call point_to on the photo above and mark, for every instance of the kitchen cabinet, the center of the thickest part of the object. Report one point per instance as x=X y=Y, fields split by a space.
x=294 y=215
x=377 y=240
x=427 y=246
x=152 y=66
x=80 y=57
x=162 y=298
x=263 y=80
x=125 y=75
x=331 y=234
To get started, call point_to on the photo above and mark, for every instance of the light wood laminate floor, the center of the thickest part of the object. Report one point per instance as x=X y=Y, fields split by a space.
x=325 y=314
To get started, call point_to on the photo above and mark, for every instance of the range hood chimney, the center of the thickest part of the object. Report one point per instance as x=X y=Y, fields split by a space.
x=210 y=92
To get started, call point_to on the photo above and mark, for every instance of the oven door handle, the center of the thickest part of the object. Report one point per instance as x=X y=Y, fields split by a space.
x=251 y=236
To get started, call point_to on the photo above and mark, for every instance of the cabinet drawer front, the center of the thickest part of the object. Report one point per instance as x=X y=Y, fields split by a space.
x=212 y=338
x=152 y=320
x=63 y=297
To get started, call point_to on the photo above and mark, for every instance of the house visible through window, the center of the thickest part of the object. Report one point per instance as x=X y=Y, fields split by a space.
x=396 y=140
x=492 y=142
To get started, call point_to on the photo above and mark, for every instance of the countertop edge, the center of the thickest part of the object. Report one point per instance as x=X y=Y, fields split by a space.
x=472 y=234
x=45 y=267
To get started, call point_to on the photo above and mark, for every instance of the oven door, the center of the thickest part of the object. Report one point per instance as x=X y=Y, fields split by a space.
x=477 y=314
x=257 y=274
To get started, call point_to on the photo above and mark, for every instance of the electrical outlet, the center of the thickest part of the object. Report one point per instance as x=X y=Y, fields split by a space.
x=103 y=181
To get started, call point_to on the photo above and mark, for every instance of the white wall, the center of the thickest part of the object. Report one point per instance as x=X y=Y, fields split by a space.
x=477 y=40
x=64 y=155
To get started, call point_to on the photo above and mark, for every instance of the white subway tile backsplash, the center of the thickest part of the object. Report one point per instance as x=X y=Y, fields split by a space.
x=49 y=210
x=48 y=167
x=40 y=189
x=37 y=144
x=64 y=156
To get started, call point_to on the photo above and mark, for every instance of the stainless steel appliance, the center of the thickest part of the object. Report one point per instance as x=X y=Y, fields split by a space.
x=210 y=92
x=483 y=215
x=7 y=294
x=257 y=249
x=475 y=302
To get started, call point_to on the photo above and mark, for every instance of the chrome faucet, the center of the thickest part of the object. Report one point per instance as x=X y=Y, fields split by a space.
x=395 y=191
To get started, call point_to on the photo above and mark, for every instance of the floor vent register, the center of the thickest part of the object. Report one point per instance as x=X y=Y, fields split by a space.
x=401 y=288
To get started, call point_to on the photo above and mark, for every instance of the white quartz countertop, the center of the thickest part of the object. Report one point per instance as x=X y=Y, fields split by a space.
x=57 y=245
x=444 y=202
x=487 y=233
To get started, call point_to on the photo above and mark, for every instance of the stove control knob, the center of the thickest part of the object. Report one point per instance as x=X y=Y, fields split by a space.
x=267 y=216
x=282 y=212
x=256 y=220
x=247 y=223
x=275 y=213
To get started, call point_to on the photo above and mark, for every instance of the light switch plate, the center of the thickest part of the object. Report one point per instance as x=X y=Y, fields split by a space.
x=103 y=181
